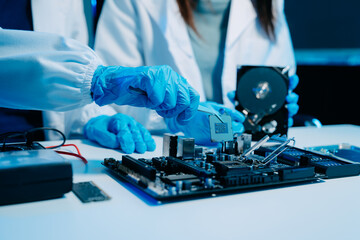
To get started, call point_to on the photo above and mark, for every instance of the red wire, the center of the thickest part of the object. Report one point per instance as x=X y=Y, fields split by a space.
x=72 y=154
x=69 y=153
x=67 y=145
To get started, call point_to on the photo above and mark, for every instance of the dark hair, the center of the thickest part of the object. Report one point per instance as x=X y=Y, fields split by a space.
x=263 y=9
x=265 y=14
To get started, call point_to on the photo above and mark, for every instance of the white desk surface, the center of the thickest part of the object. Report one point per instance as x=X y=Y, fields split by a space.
x=325 y=210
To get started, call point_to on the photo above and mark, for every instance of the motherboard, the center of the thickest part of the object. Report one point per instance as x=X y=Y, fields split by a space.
x=236 y=164
x=188 y=171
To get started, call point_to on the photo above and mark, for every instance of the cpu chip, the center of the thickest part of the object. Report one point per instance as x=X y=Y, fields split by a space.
x=220 y=131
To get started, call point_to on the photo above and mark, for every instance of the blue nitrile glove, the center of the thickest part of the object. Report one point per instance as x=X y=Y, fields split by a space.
x=159 y=88
x=293 y=82
x=119 y=131
x=231 y=96
x=199 y=128
x=292 y=99
x=292 y=106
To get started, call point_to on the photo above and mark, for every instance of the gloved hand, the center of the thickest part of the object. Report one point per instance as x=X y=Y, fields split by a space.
x=199 y=128
x=293 y=82
x=292 y=99
x=119 y=131
x=159 y=88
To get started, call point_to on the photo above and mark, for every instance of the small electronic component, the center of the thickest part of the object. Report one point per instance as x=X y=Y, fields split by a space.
x=89 y=192
x=186 y=148
x=221 y=131
x=242 y=143
x=170 y=143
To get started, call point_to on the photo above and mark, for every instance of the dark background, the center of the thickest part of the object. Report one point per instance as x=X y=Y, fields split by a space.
x=328 y=32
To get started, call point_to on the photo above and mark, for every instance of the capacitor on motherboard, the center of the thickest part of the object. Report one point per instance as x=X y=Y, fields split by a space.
x=179 y=186
x=229 y=157
x=211 y=157
x=187 y=185
x=199 y=152
x=172 y=191
x=222 y=156
x=208 y=166
x=208 y=183
x=109 y=161
x=229 y=147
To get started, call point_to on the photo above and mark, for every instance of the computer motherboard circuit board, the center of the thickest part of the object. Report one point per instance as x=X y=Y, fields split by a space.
x=188 y=171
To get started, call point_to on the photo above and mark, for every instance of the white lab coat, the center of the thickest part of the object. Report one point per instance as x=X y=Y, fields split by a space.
x=152 y=32
x=65 y=18
x=54 y=73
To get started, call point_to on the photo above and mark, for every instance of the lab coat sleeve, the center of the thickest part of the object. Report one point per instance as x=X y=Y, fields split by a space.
x=42 y=71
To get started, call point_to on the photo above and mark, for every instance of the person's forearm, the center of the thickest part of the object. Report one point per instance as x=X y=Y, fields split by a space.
x=43 y=71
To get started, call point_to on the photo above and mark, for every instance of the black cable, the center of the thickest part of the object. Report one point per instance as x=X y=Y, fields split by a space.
x=28 y=136
x=29 y=140
x=9 y=135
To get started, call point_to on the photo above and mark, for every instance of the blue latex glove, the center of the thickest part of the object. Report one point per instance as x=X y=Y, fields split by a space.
x=231 y=96
x=119 y=131
x=159 y=88
x=293 y=82
x=199 y=128
x=292 y=99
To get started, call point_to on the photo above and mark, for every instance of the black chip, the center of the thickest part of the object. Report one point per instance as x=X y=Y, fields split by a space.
x=89 y=192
